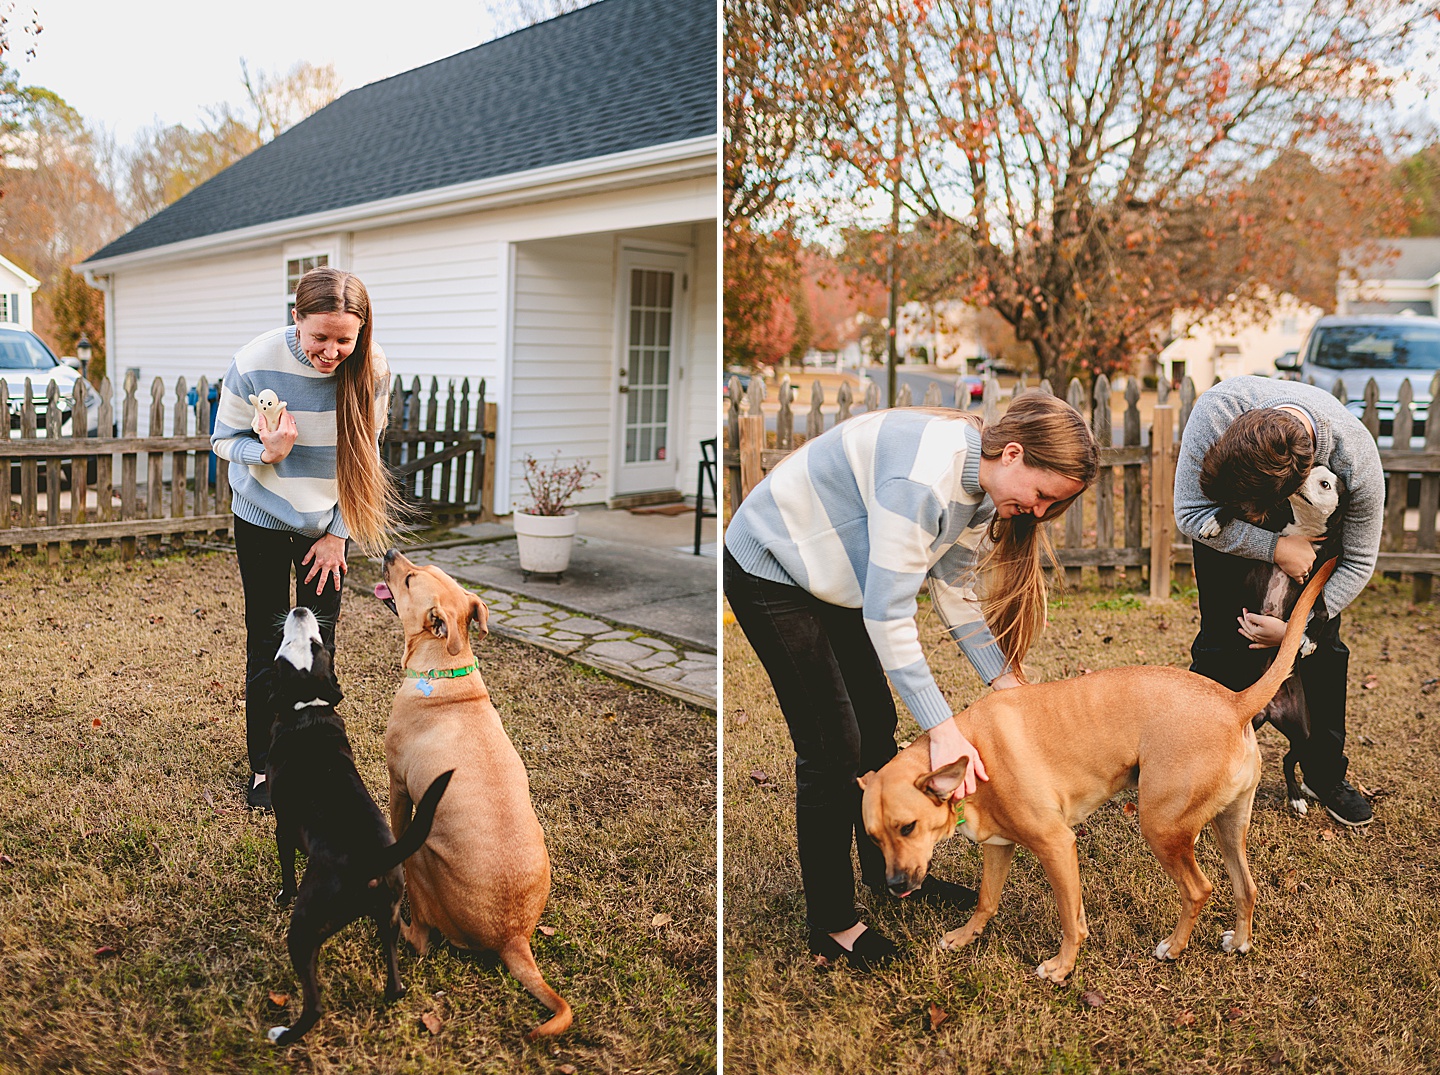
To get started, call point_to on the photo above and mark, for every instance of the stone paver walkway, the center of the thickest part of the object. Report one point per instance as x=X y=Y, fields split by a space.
x=679 y=670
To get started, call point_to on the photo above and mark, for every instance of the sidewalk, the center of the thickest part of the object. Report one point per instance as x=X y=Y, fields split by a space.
x=635 y=602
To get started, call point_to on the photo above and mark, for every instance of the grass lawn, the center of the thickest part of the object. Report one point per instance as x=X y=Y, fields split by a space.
x=138 y=931
x=1345 y=973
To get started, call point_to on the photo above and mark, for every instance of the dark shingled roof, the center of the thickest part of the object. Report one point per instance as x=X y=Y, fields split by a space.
x=615 y=76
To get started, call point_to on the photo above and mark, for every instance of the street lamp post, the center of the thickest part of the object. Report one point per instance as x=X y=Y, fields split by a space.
x=83 y=351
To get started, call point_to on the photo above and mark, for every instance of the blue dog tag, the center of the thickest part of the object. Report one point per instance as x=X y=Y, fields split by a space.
x=424 y=686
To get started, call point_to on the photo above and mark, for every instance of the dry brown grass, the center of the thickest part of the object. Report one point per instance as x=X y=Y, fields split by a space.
x=122 y=747
x=1345 y=975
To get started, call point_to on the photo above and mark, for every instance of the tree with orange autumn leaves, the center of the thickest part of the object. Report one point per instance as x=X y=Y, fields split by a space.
x=1096 y=168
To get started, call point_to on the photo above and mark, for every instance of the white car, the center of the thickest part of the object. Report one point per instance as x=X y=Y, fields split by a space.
x=23 y=354
x=1391 y=349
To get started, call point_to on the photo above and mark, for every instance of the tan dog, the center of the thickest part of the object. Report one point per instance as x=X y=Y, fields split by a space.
x=1055 y=752
x=483 y=876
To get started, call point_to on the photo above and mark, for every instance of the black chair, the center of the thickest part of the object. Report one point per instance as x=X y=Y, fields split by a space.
x=706 y=472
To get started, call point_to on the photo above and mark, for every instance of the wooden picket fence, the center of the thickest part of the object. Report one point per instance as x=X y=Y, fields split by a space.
x=1139 y=533
x=164 y=485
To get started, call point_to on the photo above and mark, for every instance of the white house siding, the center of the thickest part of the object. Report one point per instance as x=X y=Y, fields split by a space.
x=18 y=290
x=188 y=318
x=563 y=346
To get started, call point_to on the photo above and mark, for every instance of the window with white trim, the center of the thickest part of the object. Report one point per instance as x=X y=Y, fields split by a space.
x=296 y=268
x=6 y=313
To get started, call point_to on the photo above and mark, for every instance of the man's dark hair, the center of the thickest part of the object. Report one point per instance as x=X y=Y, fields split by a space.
x=1257 y=463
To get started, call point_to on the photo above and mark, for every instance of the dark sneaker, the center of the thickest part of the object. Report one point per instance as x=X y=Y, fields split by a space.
x=872 y=949
x=1344 y=804
x=257 y=796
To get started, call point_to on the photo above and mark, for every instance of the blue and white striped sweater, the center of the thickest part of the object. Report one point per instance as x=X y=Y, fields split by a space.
x=861 y=517
x=299 y=492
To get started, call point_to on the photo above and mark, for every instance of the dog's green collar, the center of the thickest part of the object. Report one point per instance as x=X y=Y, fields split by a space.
x=443 y=673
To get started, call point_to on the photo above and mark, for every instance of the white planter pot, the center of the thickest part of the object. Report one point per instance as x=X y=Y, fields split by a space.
x=545 y=540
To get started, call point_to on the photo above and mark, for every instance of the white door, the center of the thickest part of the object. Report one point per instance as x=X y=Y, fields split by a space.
x=652 y=303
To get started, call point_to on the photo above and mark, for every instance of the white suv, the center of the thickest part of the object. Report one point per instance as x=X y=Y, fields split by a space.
x=1355 y=348
x=23 y=354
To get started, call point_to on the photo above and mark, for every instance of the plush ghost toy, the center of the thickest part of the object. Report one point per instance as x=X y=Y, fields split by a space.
x=268 y=409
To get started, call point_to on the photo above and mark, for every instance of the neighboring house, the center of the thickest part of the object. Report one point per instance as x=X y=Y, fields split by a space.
x=539 y=211
x=1390 y=276
x=1223 y=345
x=17 y=289
x=945 y=333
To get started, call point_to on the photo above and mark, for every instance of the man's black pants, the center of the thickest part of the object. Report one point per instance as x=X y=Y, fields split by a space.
x=837 y=704
x=1220 y=652
x=266 y=560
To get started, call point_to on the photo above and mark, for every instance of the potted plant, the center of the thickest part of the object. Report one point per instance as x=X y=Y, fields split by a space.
x=545 y=531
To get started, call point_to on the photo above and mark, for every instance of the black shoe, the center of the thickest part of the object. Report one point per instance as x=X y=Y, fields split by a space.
x=257 y=796
x=1344 y=804
x=872 y=949
x=937 y=893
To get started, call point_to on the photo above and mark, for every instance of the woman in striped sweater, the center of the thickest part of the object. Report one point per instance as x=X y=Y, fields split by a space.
x=823 y=562
x=301 y=492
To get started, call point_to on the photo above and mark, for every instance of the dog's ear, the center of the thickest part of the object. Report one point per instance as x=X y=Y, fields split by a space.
x=323 y=664
x=442 y=626
x=941 y=784
x=479 y=615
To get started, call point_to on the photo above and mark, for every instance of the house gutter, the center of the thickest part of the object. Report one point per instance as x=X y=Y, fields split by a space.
x=692 y=158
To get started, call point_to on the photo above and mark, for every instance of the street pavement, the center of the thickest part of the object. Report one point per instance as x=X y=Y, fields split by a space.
x=635 y=602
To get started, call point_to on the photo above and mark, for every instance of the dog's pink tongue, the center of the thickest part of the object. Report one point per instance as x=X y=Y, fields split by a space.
x=382 y=591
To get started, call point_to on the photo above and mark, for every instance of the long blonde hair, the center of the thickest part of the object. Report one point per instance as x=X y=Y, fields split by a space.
x=1012 y=590
x=369 y=502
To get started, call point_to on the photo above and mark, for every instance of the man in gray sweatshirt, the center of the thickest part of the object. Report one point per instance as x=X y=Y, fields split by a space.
x=1296 y=426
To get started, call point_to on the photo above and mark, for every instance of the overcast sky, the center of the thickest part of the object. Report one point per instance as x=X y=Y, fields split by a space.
x=127 y=63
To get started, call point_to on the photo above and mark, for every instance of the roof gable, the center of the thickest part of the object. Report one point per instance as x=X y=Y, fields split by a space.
x=615 y=76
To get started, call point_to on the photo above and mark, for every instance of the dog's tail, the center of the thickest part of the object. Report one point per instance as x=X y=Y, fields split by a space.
x=1257 y=696
x=419 y=828
x=517 y=957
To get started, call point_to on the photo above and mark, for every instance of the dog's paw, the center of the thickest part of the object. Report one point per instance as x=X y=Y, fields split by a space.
x=958 y=938
x=1307 y=647
x=276 y=1033
x=1052 y=970
x=283 y=898
x=1162 y=950
x=1227 y=944
x=1300 y=806
x=392 y=995
x=1211 y=527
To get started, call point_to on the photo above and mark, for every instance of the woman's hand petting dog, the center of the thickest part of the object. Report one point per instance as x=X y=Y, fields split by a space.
x=948 y=744
x=1264 y=632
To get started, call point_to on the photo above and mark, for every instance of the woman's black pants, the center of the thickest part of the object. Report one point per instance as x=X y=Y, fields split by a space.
x=267 y=558
x=837 y=703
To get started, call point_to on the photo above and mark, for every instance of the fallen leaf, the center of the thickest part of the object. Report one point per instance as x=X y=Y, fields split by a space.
x=740 y=717
x=279 y=999
x=759 y=776
x=1291 y=880
x=549 y=931
x=1092 y=998
x=1276 y=1058
x=431 y=1022
x=566 y=1069
x=1129 y=809
x=1185 y=1018
x=937 y=1015
x=96 y=722
x=1327 y=834
x=821 y=962
x=661 y=920
x=106 y=951
x=6 y=860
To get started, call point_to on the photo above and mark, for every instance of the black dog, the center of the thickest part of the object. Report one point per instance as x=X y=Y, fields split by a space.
x=1314 y=514
x=323 y=808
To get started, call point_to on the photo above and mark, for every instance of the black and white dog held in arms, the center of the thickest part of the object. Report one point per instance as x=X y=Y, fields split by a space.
x=1313 y=506
x=323 y=809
